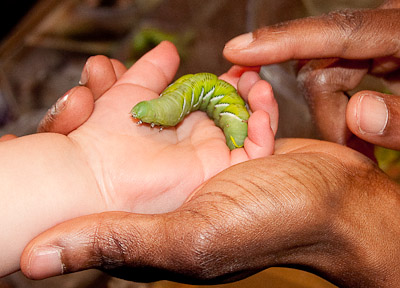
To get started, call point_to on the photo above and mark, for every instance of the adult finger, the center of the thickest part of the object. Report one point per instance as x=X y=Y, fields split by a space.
x=375 y=118
x=92 y=242
x=69 y=112
x=100 y=73
x=324 y=84
x=390 y=4
x=135 y=247
x=350 y=34
x=155 y=70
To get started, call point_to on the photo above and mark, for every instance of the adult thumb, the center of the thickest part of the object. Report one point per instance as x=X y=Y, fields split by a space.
x=375 y=118
x=108 y=241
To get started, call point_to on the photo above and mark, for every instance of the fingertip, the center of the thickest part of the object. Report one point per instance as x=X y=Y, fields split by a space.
x=156 y=69
x=62 y=249
x=69 y=112
x=368 y=113
x=236 y=47
x=260 y=47
x=169 y=47
x=261 y=98
x=239 y=42
x=261 y=95
x=99 y=74
x=246 y=82
x=238 y=70
x=372 y=116
x=42 y=262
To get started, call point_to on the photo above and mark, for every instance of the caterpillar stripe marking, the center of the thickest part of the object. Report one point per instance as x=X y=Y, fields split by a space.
x=202 y=91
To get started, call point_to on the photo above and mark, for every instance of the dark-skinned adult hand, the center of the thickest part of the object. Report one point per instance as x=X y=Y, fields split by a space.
x=346 y=45
x=307 y=206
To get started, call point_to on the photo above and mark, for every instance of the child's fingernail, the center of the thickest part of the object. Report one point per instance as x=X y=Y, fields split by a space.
x=372 y=114
x=240 y=42
x=61 y=103
x=45 y=262
x=85 y=74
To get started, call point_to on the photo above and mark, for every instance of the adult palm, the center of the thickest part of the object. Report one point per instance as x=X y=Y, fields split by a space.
x=314 y=205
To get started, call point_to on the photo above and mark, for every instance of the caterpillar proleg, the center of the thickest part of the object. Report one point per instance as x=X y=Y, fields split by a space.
x=202 y=91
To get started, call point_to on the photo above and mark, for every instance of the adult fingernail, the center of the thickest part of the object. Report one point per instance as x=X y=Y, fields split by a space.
x=372 y=114
x=45 y=262
x=240 y=42
x=85 y=75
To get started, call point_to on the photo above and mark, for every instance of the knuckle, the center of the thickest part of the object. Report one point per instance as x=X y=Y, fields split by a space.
x=316 y=76
x=204 y=261
x=109 y=244
x=309 y=76
x=327 y=76
x=203 y=254
x=348 y=23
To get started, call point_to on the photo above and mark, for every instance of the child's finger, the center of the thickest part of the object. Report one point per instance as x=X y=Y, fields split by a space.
x=261 y=139
x=7 y=137
x=155 y=70
x=261 y=97
x=246 y=82
x=69 y=112
x=233 y=75
x=100 y=74
x=119 y=68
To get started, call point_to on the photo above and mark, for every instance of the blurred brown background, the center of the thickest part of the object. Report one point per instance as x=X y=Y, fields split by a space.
x=45 y=45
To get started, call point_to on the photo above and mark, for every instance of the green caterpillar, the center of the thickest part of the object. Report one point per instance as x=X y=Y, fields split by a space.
x=202 y=91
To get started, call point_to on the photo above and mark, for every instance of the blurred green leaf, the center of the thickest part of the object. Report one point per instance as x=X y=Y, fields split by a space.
x=389 y=161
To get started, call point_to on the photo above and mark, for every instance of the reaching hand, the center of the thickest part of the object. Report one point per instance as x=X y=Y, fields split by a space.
x=346 y=45
x=308 y=206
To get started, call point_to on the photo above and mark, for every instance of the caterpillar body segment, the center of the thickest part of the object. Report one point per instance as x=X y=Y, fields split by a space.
x=202 y=91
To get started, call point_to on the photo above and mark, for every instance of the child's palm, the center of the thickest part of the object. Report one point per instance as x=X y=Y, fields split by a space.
x=139 y=168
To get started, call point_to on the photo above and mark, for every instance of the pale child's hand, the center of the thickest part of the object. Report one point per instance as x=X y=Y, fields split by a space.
x=100 y=160
x=141 y=169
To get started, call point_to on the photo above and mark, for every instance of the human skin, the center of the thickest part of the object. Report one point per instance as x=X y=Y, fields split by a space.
x=308 y=206
x=313 y=205
x=111 y=164
x=344 y=46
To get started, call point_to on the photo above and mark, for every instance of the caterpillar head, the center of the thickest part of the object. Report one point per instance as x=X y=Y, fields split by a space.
x=143 y=111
